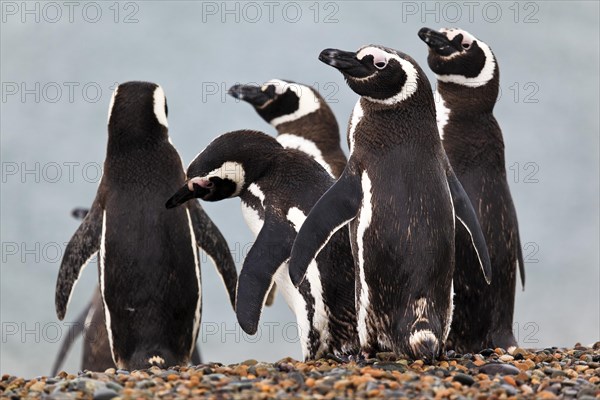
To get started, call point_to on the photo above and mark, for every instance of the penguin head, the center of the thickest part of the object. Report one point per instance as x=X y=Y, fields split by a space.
x=279 y=101
x=458 y=57
x=227 y=166
x=137 y=111
x=377 y=73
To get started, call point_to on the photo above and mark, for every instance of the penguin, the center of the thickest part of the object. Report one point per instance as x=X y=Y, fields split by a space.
x=149 y=272
x=277 y=188
x=302 y=118
x=401 y=200
x=303 y=121
x=90 y=325
x=467 y=90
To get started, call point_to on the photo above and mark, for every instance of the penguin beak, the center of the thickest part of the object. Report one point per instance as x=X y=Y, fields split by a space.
x=438 y=42
x=250 y=94
x=346 y=62
x=194 y=188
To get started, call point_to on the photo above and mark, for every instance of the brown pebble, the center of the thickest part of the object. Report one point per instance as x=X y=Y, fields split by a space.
x=544 y=394
x=341 y=384
x=172 y=377
x=37 y=387
x=510 y=380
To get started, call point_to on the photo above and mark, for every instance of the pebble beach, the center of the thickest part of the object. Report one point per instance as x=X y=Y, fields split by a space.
x=550 y=373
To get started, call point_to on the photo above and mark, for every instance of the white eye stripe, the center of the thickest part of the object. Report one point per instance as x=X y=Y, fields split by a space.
x=231 y=170
x=308 y=101
x=410 y=85
x=282 y=86
x=452 y=33
x=487 y=72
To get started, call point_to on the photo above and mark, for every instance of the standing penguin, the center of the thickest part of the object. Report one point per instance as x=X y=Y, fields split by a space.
x=90 y=325
x=302 y=118
x=401 y=198
x=149 y=271
x=468 y=80
x=278 y=187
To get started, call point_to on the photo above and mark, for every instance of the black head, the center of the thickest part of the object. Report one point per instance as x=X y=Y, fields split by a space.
x=227 y=166
x=278 y=101
x=378 y=73
x=457 y=56
x=138 y=111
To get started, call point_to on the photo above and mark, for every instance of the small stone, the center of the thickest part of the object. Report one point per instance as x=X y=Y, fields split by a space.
x=105 y=394
x=390 y=366
x=510 y=380
x=497 y=368
x=37 y=387
x=249 y=362
x=544 y=394
x=487 y=352
x=386 y=356
x=464 y=379
x=506 y=358
x=341 y=384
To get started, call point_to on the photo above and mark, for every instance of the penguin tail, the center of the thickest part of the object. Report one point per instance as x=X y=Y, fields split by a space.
x=143 y=359
x=424 y=345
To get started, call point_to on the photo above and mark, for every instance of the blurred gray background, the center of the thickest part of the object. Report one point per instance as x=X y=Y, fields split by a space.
x=60 y=63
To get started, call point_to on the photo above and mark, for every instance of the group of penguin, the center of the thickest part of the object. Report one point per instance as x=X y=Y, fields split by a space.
x=411 y=245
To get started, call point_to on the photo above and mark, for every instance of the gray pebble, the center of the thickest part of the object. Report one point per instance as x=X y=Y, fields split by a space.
x=510 y=390
x=498 y=368
x=298 y=377
x=105 y=394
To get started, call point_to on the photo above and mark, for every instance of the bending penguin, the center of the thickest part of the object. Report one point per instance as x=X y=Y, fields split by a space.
x=401 y=200
x=467 y=86
x=302 y=118
x=303 y=121
x=90 y=325
x=278 y=187
x=149 y=270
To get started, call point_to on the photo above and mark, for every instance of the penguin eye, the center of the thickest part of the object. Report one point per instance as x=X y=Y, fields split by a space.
x=380 y=64
x=210 y=184
x=466 y=45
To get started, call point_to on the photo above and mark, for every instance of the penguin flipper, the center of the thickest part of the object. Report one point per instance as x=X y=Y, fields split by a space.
x=336 y=208
x=75 y=330
x=212 y=242
x=82 y=247
x=270 y=250
x=465 y=214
